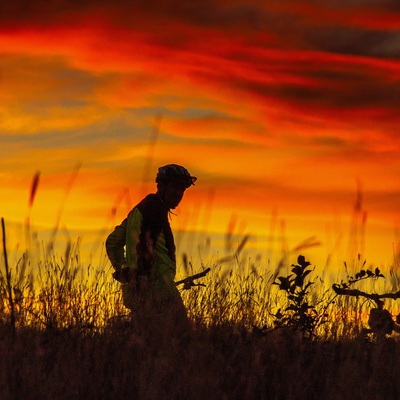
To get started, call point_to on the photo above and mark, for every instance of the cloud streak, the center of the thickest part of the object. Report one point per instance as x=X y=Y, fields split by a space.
x=278 y=101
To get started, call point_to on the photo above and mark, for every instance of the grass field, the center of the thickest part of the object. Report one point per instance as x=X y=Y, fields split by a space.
x=64 y=334
x=216 y=364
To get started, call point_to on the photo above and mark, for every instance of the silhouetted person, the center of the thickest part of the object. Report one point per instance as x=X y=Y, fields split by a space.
x=142 y=252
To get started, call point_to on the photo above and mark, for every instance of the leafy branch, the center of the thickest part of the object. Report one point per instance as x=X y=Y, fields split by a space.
x=380 y=320
x=299 y=314
x=344 y=288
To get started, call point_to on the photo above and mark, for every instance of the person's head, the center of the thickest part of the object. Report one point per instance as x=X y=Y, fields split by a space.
x=172 y=181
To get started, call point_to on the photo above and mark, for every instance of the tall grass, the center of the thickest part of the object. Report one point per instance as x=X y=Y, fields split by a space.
x=64 y=334
x=59 y=293
x=73 y=335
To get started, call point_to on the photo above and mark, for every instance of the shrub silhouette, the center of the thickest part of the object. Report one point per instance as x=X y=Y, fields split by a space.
x=300 y=314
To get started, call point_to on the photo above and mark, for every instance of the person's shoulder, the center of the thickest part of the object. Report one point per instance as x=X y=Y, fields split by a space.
x=151 y=206
x=150 y=201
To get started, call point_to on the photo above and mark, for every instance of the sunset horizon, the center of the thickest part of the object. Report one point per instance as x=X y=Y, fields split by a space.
x=287 y=112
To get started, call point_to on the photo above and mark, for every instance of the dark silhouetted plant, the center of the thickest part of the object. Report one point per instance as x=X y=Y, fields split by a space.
x=300 y=314
x=380 y=320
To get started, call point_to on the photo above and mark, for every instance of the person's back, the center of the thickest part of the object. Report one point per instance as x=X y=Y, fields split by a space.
x=147 y=267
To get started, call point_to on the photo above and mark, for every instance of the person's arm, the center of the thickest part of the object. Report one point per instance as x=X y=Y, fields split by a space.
x=139 y=248
x=148 y=230
x=115 y=244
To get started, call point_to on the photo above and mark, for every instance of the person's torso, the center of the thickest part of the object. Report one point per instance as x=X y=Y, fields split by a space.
x=148 y=223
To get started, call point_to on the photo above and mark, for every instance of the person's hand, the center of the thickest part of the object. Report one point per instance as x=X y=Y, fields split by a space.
x=123 y=275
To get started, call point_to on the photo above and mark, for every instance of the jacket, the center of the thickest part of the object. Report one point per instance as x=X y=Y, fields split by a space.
x=148 y=241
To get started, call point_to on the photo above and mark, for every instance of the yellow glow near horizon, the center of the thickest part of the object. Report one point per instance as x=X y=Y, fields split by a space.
x=281 y=130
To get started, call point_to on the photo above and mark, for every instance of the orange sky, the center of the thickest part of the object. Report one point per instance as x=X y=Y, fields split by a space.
x=283 y=110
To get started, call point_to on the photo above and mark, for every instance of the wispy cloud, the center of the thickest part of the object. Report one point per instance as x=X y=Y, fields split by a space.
x=286 y=103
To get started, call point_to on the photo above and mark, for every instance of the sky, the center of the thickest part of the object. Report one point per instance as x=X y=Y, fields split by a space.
x=286 y=111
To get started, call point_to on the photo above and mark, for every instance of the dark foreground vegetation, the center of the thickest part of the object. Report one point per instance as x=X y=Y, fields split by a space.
x=215 y=364
x=256 y=334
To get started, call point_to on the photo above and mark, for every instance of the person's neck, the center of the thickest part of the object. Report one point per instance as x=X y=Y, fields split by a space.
x=162 y=201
